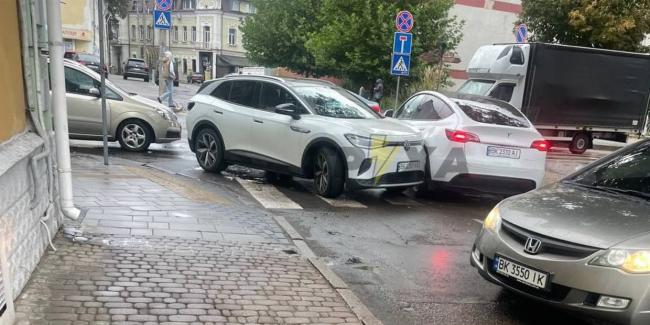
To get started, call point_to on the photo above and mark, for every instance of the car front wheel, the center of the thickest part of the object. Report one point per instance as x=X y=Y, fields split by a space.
x=328 y=173
x=134 y=135
x=209 y=151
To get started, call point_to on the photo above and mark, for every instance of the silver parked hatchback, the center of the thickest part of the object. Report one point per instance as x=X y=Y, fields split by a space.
x=582 y=243
x=133 y=120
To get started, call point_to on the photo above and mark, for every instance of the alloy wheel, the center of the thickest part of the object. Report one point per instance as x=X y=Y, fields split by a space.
x=134 y=136
x=206 y=147
x=321 y=173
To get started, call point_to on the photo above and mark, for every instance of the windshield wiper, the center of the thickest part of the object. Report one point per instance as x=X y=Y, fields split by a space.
x=612 y=190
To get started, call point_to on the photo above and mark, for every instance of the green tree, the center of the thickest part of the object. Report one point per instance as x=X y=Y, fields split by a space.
x=117 y=8
x=610 y=24
x=355 y=41
x=277 y=34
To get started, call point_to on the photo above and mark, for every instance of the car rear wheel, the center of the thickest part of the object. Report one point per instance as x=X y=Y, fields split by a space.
x=125 y=77
x=209 y=151
x=134 y=135
x=328 y=173
x=146 y=79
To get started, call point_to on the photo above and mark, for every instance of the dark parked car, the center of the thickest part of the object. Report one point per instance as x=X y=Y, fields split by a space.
x=87 y=59
x=136 y=68
x=195 y=77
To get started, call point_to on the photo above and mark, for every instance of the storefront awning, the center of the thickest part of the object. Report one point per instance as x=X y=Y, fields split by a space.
x=233 y=61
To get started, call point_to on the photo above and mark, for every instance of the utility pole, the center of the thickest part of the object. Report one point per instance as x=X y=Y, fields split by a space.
x=103 y=80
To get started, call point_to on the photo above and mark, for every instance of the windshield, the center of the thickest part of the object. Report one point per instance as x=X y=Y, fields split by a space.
x=88 y=58
x=493 y=113
x=628 y=173
x=334 y=102
x=136 y=63
x=476 y=87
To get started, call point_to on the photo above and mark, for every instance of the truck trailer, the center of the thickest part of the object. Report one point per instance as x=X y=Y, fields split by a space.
x=571 y=94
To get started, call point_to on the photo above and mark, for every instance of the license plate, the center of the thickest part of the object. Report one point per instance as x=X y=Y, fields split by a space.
x=405 y=166
x=521 y=273
x=503 y=152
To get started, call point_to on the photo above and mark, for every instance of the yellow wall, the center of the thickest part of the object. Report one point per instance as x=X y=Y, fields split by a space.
x=73 y=13
x=12 y=110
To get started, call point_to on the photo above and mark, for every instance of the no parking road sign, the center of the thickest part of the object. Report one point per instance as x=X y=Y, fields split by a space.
x=164 y=5
x=521 y=33
x=404 y=21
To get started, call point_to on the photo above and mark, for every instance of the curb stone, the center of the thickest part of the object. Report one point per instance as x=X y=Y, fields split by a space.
x=358 y=308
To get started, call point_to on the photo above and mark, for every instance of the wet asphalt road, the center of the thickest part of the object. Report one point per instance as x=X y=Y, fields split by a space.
x=409 y=262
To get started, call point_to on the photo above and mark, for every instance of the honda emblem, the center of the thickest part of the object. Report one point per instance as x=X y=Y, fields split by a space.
x=407 y=145
x=532 y=246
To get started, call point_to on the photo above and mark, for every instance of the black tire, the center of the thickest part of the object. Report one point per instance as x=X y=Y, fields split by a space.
x=124 y=77
x=209 y=150
x=329 y=178
x=580 y=143
x=146 y=79
x=134 y=135
x=397 y=190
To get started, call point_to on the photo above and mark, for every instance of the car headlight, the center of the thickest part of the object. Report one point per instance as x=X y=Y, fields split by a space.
x=631 y=261
x=164 y=114
x=493 y=219
x=365 y=142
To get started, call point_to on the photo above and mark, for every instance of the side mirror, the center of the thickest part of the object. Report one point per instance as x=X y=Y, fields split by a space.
x=288 y=109
x=95 y=92
x=389 y=113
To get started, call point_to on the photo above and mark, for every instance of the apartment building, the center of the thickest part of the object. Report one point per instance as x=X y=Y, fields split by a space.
x=205 y=35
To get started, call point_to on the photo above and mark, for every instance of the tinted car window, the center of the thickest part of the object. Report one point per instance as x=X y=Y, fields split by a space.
x=273 y=95
x=503 y=92
x=135 y=63
x=245 y=92
x=222 y=91
x=334 y=102
x=491 y=113
x=629 y=171
x=88 y=58
x=77 y=82
x=409 y=109
x=517 y=56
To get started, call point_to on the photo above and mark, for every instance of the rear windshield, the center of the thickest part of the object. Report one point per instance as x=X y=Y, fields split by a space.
x=88 y=58
x=491 y=113
x=136 y=63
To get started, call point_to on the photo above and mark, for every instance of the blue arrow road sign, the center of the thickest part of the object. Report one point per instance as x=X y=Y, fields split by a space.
x=162 y=19
x=400 y=64
x=402 y=43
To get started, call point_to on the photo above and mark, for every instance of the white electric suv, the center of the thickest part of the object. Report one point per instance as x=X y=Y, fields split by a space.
x=476 y=143
x=303 y=127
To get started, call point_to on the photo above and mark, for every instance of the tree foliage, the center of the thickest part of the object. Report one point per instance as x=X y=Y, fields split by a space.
x=117 y=8
x=276 y=35
x=610 y=24
x=349 y=39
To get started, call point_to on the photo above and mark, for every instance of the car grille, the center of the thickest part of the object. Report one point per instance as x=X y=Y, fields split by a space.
x=393 y=178
x=556 y=292
x=549 y=245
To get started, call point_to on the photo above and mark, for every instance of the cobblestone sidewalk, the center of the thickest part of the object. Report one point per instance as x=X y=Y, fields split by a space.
x=214 y=263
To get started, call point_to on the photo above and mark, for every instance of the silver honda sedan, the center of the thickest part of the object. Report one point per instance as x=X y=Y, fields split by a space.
x=582 y=243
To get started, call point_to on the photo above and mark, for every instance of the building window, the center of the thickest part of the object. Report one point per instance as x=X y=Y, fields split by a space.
x=193 y=33
x=149 y=33
x=184 y=66
x=133 y=32
x=235 y=5
x=206 y=34
x=184 y=33
x=141 y=32
x=188 y=4
x=232 y=37
x=194 y=65
x=175 y=33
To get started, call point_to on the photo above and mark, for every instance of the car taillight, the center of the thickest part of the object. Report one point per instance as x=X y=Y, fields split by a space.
x=376 y=108
x=541 y=145
x=461 y=136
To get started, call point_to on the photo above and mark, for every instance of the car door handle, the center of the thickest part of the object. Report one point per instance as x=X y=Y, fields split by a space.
x=258 y=121
x=299 y=129
x=218 y=112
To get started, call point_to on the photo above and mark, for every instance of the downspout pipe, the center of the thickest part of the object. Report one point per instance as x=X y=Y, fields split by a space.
x=60 y=110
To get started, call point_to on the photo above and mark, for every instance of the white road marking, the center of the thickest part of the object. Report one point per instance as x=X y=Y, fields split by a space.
x=478 y=221
x=268 y=196
x=343 y=202
x=402 y=200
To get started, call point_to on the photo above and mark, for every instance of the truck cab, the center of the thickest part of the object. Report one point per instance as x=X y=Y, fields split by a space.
x=498 y=71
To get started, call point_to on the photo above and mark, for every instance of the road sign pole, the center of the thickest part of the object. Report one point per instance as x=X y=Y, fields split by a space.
x=397 y=94
x=100 y=8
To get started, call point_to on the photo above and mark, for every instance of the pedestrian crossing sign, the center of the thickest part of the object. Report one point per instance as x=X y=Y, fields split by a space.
x=162 y=19
x=401 y=64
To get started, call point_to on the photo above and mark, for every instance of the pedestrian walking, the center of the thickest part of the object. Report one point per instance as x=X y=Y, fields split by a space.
x=167 y=73
x=378 y=91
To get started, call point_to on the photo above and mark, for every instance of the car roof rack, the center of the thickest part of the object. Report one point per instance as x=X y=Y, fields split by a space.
x=255 y=76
